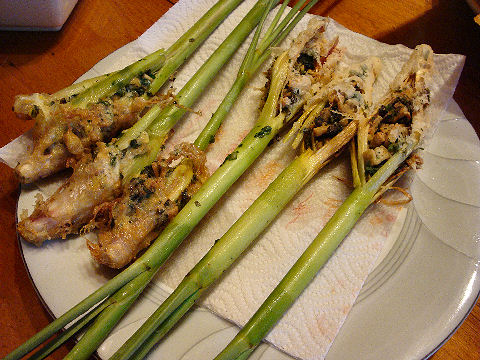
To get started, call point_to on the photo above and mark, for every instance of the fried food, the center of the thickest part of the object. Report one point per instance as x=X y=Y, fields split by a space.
x=128 y=224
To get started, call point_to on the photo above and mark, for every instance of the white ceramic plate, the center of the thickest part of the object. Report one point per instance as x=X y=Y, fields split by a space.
x=421 y=290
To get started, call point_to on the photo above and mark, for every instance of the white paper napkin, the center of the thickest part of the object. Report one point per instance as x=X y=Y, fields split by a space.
x=310 y=326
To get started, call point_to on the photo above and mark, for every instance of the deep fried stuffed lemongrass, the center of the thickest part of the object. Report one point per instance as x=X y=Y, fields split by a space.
x=128 y=224
x=400 y=114
x=76 y=118
x=68 y=131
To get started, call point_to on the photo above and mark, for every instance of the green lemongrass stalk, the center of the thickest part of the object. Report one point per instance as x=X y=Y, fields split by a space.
x=234 y=242
x=78 y=87
x=281 y=30
x=276 y=19
x=181 y=50
x=120 y=302
x=207 y=135
x=68 y=333
x=161 y=331
x=172 y=114
x=267 y=126
x=312 y=260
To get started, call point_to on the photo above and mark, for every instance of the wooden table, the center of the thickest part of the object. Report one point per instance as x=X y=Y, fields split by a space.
x=48 y=61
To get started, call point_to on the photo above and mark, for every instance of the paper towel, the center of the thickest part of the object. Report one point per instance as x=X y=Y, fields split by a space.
x=309 y=327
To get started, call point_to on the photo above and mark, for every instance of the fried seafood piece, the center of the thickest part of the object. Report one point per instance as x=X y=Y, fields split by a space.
x=400 y=114
x=128 y=224
x=97 y=178
x=63 y=130
x=347 y=98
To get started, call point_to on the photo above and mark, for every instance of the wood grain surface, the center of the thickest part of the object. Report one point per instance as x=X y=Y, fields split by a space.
x=49 y=61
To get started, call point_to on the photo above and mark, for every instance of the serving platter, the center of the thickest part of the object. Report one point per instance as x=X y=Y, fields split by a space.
x=421 y=289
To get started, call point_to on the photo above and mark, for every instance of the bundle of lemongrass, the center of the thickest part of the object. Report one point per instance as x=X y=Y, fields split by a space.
x=261 y=129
